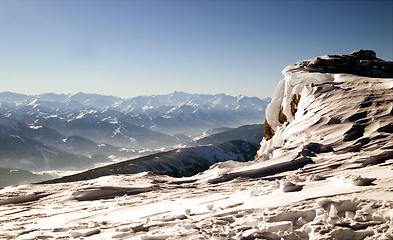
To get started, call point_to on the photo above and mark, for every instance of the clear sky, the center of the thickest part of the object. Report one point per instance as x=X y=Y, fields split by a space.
x=129 y=48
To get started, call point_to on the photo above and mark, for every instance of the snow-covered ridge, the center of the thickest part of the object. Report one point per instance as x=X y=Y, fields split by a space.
x=294 y=105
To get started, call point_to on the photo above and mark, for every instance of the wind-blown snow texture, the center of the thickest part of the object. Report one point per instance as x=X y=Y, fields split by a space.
x=326 y=173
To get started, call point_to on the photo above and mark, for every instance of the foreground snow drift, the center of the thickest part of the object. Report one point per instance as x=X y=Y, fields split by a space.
x=159 y=207
x=324 y=171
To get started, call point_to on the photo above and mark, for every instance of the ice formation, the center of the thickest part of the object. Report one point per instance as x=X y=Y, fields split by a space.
x=309 y=83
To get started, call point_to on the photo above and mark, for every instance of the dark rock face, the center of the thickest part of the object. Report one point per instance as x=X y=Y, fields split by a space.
x=268 y=130
x=295 y=101
x=361 y=62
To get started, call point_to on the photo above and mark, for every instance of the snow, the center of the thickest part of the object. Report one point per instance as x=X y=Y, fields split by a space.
x=80 y=116
x=325 y=174
x=313 y=111
x=111 y=120
x=35 y=127
x=147 y=107
x=34 y=103
x=219 y=210
x=85 y=113
x=296 y=83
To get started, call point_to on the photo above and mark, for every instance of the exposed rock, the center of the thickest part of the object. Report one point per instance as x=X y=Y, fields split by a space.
x=269 y=132
x=361 y=62
x=281 y=116
x=295 y=101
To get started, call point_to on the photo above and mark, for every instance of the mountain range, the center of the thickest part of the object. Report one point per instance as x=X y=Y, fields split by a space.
x=77 y=131
x=176 y=113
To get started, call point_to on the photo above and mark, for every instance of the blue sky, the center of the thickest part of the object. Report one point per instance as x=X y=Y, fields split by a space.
x=129 y=48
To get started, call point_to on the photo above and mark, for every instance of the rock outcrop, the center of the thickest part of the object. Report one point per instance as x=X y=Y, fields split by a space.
x=361 y=62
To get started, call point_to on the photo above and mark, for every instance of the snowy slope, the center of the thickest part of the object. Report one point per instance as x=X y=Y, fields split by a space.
x=181 y=162
x=323 y=171
x=251 y=133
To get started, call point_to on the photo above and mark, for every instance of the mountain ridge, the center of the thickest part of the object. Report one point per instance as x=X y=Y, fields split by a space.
x=169 y=114
x=177 y=98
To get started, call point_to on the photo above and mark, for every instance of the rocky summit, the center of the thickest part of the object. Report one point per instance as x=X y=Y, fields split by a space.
x=361 y=62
